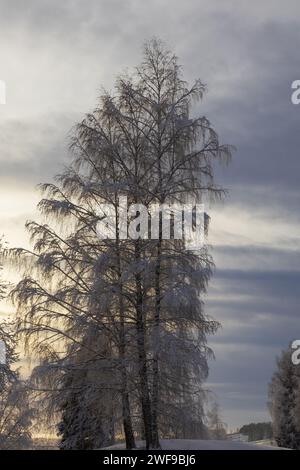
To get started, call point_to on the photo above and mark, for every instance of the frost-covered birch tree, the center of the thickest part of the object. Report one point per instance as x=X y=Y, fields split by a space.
x=141 y=296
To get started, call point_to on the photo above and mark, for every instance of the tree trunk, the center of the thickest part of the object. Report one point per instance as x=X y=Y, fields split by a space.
x=127 y=422
x=142 y=358
x=155 y=386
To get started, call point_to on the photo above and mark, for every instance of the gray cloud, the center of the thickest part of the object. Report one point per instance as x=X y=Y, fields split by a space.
x=32 y=150
x=259 y=313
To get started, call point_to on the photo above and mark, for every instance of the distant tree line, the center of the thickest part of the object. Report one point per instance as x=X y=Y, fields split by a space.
x=257 y=431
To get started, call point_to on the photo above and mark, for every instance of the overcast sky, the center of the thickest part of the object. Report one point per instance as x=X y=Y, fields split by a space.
x=54 y=58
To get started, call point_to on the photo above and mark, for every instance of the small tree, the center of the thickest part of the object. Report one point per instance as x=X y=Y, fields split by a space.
x=284 y=393
x=16 y=416
x=15 y=411
x=216 y=426
x=89 y=401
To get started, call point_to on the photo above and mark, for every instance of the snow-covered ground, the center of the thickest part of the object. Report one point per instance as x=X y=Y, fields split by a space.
x=190 y=444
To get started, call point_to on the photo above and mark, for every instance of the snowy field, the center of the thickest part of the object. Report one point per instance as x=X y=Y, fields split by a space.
x=189 y=444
